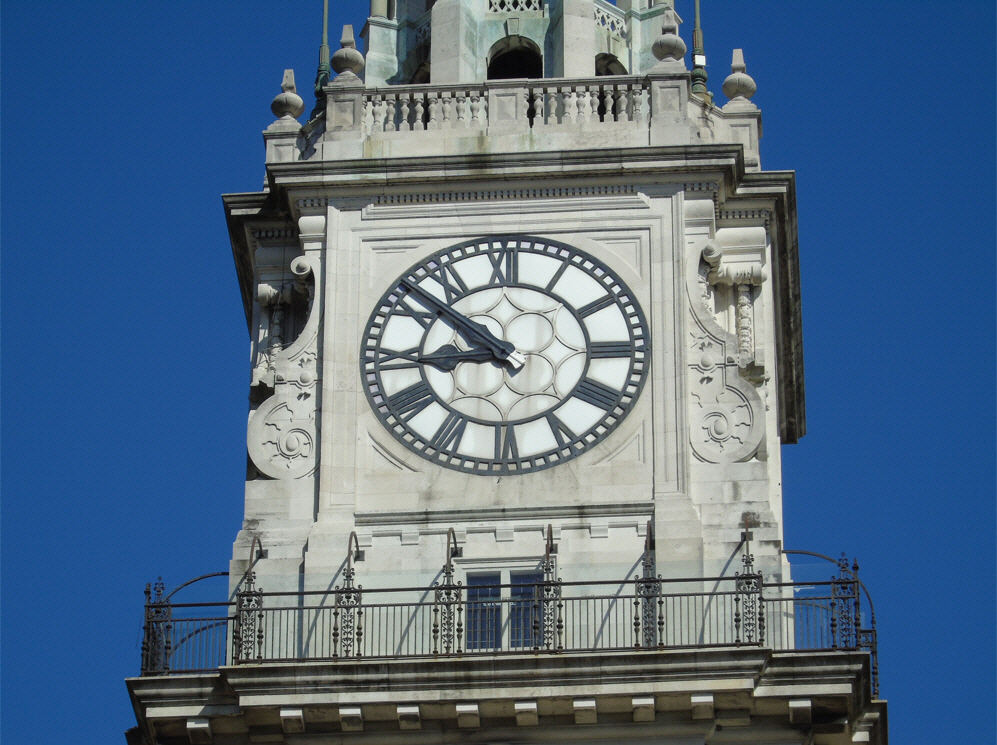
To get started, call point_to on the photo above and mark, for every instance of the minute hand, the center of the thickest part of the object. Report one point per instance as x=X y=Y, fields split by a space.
x=475 y=333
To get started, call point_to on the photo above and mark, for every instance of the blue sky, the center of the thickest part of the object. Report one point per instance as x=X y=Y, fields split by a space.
x=125 y=354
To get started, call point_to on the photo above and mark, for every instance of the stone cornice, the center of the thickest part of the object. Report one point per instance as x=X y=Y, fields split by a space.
x=677 y=690
x=377 y=173
x=451 y=517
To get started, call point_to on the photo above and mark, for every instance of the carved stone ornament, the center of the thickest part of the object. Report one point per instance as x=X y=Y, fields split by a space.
x=282 y=438
x=731 y=267
x=726 y=423
x=726 y=412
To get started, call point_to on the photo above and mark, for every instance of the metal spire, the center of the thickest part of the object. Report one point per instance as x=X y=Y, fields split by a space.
x=322 y=76
x=699 y=61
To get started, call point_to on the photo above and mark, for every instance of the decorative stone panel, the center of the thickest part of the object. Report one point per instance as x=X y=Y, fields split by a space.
x=282 y=438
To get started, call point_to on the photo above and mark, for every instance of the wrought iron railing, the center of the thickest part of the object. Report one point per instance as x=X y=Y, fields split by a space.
x=449 y=619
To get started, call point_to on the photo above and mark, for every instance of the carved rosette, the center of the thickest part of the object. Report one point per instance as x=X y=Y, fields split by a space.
x=282 y=438
x=727 y=413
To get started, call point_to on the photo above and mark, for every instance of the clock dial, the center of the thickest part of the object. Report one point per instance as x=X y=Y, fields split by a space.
x=505 y=355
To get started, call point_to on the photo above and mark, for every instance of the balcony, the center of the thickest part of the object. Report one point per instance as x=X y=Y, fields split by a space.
x=535 y=616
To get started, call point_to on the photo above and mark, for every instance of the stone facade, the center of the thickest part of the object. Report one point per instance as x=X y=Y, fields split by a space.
x=662 y=187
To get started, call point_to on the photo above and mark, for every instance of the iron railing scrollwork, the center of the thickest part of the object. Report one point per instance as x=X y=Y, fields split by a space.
x=844 y=608
x=448 y=606
x=248 y=631
x=749 y=610
x=156 y=637
x=347 y=627
x=551 y=636
x=649 y=619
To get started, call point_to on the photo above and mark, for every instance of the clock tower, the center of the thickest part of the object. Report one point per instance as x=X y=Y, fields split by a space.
x=524 y=313
x=523 y=292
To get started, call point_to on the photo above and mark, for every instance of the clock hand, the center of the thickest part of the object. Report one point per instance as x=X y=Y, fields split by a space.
x=447 y=357
x=475 y=333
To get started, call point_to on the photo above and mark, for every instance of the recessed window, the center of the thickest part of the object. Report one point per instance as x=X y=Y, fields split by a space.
x=503 y=609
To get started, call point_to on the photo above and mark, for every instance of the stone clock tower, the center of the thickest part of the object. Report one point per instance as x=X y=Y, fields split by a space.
x=524 y=314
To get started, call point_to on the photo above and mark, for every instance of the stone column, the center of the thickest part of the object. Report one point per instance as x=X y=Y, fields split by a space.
x=381 y=35
x=454 y=48
x=577 y=43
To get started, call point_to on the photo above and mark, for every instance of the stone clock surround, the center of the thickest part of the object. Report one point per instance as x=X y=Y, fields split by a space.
x=569 y=355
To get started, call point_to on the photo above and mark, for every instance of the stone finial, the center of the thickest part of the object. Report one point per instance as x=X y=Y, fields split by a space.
x=669 y=46
x=347 y=61
x=287 y=103
x=738 y=84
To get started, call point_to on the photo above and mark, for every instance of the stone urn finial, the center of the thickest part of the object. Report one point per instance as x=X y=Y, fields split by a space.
x=287 y=103
x=669 y=47
x=739 y=85
x=347 y=61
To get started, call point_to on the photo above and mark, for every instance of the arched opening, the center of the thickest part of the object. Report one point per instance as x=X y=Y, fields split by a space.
x=514 y=57
x=608 y=64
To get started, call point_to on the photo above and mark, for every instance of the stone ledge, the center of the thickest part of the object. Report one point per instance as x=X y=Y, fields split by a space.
x=666 y=692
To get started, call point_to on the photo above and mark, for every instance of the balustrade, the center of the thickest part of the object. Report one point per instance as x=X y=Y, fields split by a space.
x=557 y=104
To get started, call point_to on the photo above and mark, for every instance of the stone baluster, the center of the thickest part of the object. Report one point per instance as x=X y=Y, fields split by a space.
x=461 y=110
x=585 y=98
x=418 y=119
x=391 y=118
x=435 y=113
x=447 y=109
x=379 y=114
x=405 y=112
x=558 y=103
x=582 y=101
x=538 y=107
x=570 y=106
x=478 y=109
x=621 y=107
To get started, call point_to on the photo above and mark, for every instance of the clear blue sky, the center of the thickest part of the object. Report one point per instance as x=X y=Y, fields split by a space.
x=125 y=353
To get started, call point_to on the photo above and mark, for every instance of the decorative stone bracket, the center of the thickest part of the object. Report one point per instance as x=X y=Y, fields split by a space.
x=736 y=259
x=726 y=411
x=282 y=438
x=278 y=302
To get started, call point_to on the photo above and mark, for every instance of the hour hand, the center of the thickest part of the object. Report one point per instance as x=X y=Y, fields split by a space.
x=475 y=333
x=447 y=357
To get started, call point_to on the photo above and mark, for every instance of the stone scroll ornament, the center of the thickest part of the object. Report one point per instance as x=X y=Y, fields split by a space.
x=727 y=414
x=282 y=438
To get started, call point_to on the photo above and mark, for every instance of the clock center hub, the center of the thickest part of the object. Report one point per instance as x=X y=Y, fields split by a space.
x=539 y=326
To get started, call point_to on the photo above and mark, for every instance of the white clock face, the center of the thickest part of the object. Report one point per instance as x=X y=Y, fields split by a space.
x=505 y=355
